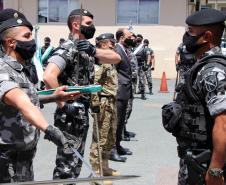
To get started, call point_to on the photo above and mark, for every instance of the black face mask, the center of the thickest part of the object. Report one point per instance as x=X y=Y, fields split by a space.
x=138 y=41
x=191 y=42
x=129 y=42
x=47 y=44
x=88 y=31
x=26 y=49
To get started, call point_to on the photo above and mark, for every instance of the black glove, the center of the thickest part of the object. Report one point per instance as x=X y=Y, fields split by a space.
x=57 y=137
x=86 y=46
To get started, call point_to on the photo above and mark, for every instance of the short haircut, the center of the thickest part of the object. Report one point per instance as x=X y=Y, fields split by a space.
x=119 y=33
x=146 y=41
x=71 y=19
x=139 y=35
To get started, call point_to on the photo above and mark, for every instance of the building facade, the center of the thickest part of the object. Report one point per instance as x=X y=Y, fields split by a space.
x=160 y=21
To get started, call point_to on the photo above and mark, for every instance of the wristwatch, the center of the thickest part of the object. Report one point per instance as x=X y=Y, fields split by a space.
x=216 y=172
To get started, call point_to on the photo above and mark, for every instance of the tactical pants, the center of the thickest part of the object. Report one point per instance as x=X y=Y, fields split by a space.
x=183 y=173
x=134 y=83
x=129 y=109
x=16 y=166
x=107 y=124
x=149 y=78
x=141 y=78
x=77 y=126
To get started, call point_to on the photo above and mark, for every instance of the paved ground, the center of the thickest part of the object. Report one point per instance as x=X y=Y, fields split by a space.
x=154 y=151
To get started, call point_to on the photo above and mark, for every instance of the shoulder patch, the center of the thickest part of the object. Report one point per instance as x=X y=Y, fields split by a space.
x=211 y=81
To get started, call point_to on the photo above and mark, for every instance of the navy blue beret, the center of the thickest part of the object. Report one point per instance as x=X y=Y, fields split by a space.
x=12 y=18
x=106 y=36
x=83 y=13
x=204 y=17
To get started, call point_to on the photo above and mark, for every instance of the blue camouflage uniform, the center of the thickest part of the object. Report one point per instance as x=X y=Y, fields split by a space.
x=18 y=138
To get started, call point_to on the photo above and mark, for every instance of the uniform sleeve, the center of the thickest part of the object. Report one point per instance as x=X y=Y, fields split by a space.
x=213 y=86
x=59 y=61
x=6 y=84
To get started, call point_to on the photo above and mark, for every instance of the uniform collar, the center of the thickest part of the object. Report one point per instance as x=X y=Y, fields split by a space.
x=12 y=63
x=213 y=51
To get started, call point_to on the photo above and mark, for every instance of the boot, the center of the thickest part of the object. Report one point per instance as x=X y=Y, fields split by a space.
x=143 y=97
x=150 y=90
x=107 y=171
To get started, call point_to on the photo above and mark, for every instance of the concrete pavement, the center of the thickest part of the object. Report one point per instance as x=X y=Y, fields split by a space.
x=154 y=150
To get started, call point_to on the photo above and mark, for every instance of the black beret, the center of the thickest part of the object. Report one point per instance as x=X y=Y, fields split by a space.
x=12 y=18
x=206 y=16
x=106 y=36
x=83 y=13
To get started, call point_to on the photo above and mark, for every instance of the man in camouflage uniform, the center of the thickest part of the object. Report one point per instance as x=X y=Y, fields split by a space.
x=73 y=64
x=200 y=127
x=20 y=117
x=141 y=55
x=184 y=61
x=105 y=75
x=150 y=65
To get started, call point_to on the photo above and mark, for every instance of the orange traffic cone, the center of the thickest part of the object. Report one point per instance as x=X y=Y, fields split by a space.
x=163 y=86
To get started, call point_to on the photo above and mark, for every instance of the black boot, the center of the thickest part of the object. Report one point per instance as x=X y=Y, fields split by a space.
x=116 y=157
x=143 y=96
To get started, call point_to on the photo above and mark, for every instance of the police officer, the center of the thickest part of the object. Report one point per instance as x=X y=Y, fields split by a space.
x=73 y=64
x=20 y=116
x=149 y=65
x=141 y=55
x=184 y=61
x=105 y=75
x=201 y=124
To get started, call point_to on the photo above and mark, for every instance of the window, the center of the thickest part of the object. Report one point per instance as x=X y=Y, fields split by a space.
x=138 y=11
x=55 y=10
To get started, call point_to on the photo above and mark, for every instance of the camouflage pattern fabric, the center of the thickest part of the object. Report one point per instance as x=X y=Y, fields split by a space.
x=149 y=78
x=141 y=78
x=105 y=75
x=107 y=124
x=76 y=72
x=16 y=133
x=69 y=166
x=16 y=166
x=183 y=173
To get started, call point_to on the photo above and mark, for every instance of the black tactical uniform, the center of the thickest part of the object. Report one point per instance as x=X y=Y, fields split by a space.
x=202 y=97
x=73 y=72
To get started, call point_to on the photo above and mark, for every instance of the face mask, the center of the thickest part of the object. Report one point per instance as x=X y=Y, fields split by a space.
x=129 y=42
x=26 y=49
x=138 y=40
x=47 y=44
x=191 y=42
x=88 y=31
